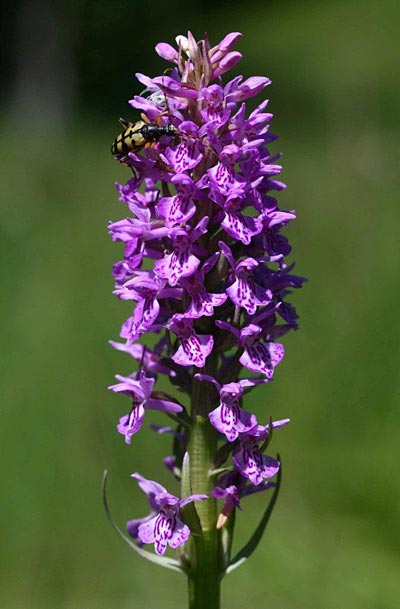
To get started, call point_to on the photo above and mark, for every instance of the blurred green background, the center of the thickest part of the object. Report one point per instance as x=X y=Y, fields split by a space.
x=67 y=69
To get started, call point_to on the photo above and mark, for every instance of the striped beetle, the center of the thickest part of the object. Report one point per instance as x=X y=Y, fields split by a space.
x=136 y=136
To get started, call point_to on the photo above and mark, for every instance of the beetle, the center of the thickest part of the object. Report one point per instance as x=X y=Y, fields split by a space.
x=136 y=136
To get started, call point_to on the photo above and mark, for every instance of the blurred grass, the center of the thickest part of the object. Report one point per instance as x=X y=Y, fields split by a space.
x=335 y=536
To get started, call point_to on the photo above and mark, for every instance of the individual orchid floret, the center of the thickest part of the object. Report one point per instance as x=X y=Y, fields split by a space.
x=181 y=262
x=138 y=203
x=147 y=289
x=227 y=63
x=163 y=526
x=251 y=463
x=229 y=418
x=215 y=113
x=139 y=388
x=236 y=224
x=248 y=458
x=181 y=207
x=167 y=52
x=258 y=356
x=223 y=177
x=203 y=302
x=271 y=242
x=187 y=155
x=134 y=229
x=244 y=292
x=194 y=348
x=224 y=46
x=231 y=496
x=138 y=236
x=231 y=487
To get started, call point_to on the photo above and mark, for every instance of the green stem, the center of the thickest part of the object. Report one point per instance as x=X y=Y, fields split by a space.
x=204 y=573
x=204 y=580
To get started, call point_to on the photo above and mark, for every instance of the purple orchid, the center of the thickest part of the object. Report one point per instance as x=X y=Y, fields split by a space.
x=181 y=262
x=163 y=526
x=180 y=207
x=194 y=348
x=203 y=302
x=232 y=487
x=147 y=289
x=139 y=388
x=228 y=418
x=258 y=356
x=248 y=458
x=187 y=155
x=205 y=266
x=244 y=292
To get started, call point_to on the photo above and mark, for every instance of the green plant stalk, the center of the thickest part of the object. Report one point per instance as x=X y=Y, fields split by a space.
x=204 y=573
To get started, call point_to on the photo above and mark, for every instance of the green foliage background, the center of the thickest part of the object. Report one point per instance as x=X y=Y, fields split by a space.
x=333 y=542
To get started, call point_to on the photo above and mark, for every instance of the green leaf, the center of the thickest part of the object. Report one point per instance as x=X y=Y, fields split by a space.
x=254 y=540
x=162 y=561
x=189 y=512
x=213 y=473
x=227 y=538
x=186 y=486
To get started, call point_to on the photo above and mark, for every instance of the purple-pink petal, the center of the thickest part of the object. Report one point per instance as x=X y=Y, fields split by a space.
x=166 y=51
x=253 y=465
x=231 y=420
x=194 y=350
x=131 y=423
x=195 y=497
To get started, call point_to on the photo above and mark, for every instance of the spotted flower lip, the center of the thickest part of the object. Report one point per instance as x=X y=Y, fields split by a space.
x=181 y=262
x=229 y=418
x=163 y=526
x=194 y=348
x=203 y=303
x=252 y=464
x=244 y=291
x=248 y=457
x=258 y=356
x=180 y=207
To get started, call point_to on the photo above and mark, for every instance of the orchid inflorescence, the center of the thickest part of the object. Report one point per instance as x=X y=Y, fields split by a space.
x=204 y=263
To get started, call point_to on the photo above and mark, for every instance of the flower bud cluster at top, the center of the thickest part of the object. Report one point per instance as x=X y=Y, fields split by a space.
x=204 y=258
